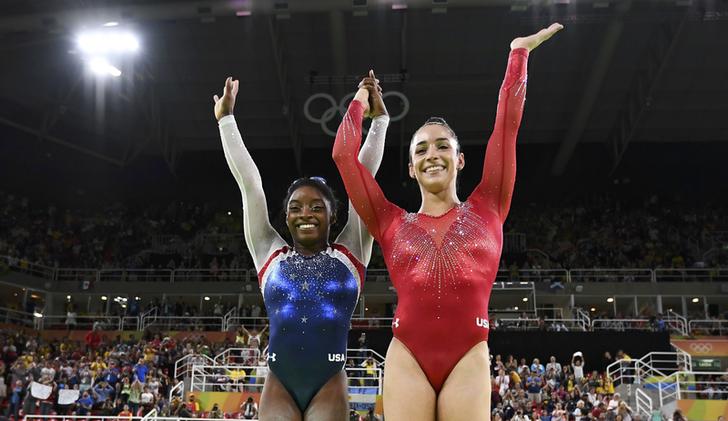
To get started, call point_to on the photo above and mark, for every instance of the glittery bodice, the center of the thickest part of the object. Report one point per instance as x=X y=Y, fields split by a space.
x=439 y=262
x=309 y=300
x=310 y=296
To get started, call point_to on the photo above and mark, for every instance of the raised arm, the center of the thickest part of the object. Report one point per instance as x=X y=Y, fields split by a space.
x=364 y=193
x=499 y=170
x=260 y=237
x=355 y=236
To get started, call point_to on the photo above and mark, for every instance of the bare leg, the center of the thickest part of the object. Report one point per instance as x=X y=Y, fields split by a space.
x=331 y=402
x=466 y=393
x=276 y=404
x=408 y=394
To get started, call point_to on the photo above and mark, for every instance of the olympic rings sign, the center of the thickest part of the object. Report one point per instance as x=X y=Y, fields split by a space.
x=701 y=347
x=331 y=112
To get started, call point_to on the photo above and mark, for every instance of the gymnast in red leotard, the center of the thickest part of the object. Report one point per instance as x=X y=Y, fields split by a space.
x=444 y=258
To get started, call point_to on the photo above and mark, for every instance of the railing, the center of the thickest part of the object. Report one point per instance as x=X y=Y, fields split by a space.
x=233 y=312
x=183 y=366
x=237 y=378
x=182 y=323
x=226 y=378
x=691 y=275
x=16 y=317
x=653 y=364
x=708 y=327
x=373 y=275
x=213 y=275
x=643 y=404
x=147 y=318
x=561 y=325
x=76 y=274
x=238 y=356
x=359 y=355
x=81 y=322
x=135 y=275
x=532 y=275
x=691 y=385
x=584 y=318
x=24 y=266
x=623 y=325
x=677 y=322
x=611 y=275
x=177 y=390
x=250 y=322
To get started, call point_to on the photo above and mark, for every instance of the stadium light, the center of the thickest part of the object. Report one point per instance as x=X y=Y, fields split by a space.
x=593 y=309
x=137 y=298
x=102 y=67
x=525 y=299
x=109 y=41
x=37 y=315
x=515 y=308
x=68 y=297
x=207 y=298
x=610 y=300
x=104 y=298
x=696 y=300
x=111 y=24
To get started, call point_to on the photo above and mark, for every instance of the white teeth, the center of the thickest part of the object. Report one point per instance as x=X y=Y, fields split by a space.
x=306 y=226
x=434 y=168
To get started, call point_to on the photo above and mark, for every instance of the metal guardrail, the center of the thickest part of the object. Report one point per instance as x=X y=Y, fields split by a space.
x=373 y=275
x=549 y=324
x=238 y=378
x=674 y=325
x=643 y=404
x=708 y=326
x=237 y=356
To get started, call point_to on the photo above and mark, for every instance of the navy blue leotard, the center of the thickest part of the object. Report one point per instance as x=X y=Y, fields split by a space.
x=309 y=300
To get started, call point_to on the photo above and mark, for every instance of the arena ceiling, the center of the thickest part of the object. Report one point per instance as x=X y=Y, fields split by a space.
x=621 y=71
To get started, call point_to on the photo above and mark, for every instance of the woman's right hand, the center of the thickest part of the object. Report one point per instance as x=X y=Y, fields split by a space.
x=225 y=105
x=376 y=102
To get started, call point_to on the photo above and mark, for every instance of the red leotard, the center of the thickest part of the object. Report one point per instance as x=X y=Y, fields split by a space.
x=443 y=267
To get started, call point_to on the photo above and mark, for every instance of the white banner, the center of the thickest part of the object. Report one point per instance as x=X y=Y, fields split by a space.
x=40 y=391
x=67 y=397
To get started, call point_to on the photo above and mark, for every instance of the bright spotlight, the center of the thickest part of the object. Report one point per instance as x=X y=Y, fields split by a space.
x=593 y=309
x=515 y=308
x=37 y=315
x=696 y=300
x=104 y=298
x=102 y=67
x=207 y=298
x=107 y=41
x=525 y=299
x=111 y=24
x=610 y=300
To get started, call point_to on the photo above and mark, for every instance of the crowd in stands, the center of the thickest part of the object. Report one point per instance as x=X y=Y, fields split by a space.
x=105 y=375
x=599 y=232
x=101 y=375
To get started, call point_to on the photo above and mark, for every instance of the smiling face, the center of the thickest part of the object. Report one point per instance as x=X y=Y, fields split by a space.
x=435 y=158
x=309 y=216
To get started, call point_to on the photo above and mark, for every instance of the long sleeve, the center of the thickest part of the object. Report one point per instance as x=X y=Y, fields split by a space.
x=364 y=193
x=355 y=236
x=260 y=237
x=499 y=170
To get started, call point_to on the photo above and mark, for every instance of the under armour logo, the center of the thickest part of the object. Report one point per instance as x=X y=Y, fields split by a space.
x=271 y=357
x=395 y=322
x=482 y=323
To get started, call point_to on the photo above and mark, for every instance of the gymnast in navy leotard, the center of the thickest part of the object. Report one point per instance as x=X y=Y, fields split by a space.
x=309 y=288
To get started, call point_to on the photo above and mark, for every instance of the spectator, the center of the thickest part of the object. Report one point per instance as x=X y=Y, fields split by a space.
x=249 y=409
